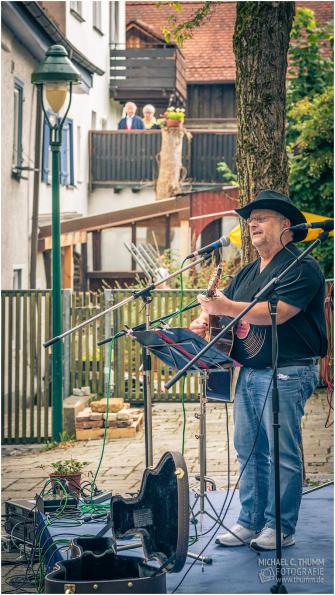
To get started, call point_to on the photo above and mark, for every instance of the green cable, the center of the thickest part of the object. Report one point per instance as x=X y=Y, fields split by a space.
x=106 y=420
x=41 y=563
x=40 y=532
x=184 y=309
x=59 y=511
x=87 y=508
x=181 y=297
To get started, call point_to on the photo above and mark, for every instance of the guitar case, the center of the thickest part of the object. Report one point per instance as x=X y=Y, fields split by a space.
x=159 y=515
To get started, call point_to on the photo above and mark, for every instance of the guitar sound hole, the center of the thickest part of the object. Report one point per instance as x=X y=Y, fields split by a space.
x=224 y=344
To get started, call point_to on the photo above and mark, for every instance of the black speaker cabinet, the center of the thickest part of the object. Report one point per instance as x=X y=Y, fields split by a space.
x=159 y=515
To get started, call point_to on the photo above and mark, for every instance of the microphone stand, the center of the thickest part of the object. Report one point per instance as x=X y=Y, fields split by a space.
x=142 y=327
x=137 y=294
x=145 y=295
x=268 y=289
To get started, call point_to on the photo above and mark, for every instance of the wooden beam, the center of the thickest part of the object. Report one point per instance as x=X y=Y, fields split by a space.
x=67 y=239
x=68 y=267
x=83 y=270
x=96 y=245
x=47 y=267
x=114 y=274
x=167 y=232
x=124 y=217
x=185 y=238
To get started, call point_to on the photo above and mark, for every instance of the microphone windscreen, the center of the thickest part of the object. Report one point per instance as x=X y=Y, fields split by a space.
x=225 y=241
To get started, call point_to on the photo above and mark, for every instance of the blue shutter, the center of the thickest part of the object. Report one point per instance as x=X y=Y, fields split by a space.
x=45 y=153
x=64 y=173
x=18 y=85
x=71 y=152
x=66 y=154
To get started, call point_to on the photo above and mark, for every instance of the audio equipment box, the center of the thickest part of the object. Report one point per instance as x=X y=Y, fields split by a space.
x=20 y=520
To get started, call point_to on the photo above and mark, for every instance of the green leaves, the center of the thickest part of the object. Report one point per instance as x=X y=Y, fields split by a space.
x=310 y=131
x=228 y=176
x=180 y=32
x=310 y=63
x=68 y=466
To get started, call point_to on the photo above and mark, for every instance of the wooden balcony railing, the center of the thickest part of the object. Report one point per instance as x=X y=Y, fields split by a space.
x=120 y=156
x=147 y=75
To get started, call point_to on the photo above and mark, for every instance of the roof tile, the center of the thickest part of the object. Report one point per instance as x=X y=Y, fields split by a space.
x=209 y=54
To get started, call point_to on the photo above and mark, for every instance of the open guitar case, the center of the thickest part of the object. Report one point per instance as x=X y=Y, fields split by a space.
x=159 y=515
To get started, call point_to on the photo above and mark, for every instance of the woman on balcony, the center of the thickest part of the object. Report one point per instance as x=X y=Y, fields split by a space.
x=149 y=119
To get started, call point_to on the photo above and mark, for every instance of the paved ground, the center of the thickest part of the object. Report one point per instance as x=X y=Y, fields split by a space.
x=123 y=461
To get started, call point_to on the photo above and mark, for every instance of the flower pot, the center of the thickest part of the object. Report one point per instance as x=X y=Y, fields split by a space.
x=173 y=123
x=71 y=482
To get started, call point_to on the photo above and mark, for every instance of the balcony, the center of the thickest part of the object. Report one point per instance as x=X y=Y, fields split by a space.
x=119 y=157
x=147 y=75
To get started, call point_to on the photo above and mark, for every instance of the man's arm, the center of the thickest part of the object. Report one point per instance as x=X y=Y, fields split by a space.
x=259 y=314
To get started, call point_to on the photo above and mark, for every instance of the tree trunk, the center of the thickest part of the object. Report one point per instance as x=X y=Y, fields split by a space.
x=261 y=40
x=170 y=163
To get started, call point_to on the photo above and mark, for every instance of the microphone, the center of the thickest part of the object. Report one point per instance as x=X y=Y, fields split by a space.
x=327 y=225
x=220 y=243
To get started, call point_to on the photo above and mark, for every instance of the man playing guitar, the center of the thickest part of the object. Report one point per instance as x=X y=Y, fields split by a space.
x=302 y=341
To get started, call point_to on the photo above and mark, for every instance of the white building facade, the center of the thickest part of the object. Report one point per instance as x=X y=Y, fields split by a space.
x=28 y=28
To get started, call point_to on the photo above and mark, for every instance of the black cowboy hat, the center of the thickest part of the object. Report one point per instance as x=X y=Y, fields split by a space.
x=276 y=201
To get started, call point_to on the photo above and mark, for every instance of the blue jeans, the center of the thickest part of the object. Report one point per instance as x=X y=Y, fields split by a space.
x=295 y=385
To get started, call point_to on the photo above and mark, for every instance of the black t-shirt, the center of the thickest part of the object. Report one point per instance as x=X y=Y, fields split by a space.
x=304 y=335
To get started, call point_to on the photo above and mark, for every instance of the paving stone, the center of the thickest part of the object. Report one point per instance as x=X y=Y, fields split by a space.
x=6 y=486
x=124 y=460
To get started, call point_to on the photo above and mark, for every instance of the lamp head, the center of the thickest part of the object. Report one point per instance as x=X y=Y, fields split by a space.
x=55 y=73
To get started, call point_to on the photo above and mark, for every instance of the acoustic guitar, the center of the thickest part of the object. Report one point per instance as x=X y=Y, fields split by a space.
x=216 y=323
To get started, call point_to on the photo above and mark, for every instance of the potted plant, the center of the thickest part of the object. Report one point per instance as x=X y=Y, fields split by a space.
x=173 y=117
x=68 y=470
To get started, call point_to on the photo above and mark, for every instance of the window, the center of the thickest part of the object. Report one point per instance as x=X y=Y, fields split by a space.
x=17 y=128
x=66 y=155
x=76 y=8
x=114 y=22
x=97 y=16
x=17 y=277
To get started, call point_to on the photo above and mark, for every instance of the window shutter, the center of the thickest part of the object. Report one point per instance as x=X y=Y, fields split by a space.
x=71 y=149
x=64 y=170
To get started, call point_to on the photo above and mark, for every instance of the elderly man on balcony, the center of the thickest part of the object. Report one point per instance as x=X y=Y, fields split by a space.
x=130 y=121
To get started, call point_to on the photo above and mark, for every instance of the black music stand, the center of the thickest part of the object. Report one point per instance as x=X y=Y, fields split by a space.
x=176 y=347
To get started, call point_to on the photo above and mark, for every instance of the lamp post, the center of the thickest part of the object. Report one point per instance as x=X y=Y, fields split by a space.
x=56 y=75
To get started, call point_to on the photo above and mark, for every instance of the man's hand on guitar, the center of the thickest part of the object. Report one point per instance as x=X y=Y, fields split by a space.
x=218 y=304
x=200 y=325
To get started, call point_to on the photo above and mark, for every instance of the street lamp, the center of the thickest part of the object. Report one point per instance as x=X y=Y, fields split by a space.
x=56 y=75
